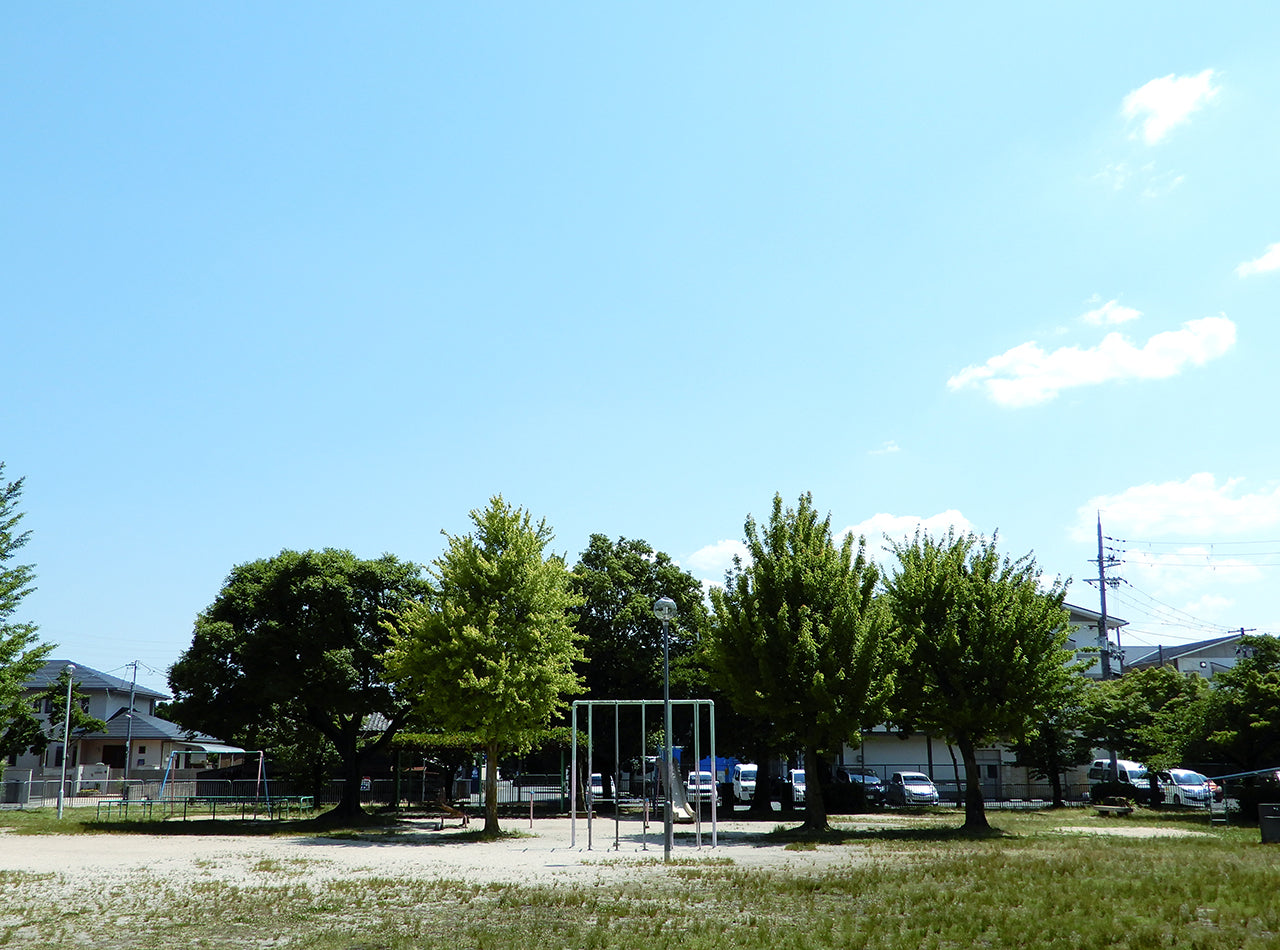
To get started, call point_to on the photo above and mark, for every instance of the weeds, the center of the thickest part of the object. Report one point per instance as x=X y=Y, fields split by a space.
x=1032 y=885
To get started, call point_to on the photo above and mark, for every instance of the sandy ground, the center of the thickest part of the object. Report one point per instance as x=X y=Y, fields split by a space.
x=547 y=853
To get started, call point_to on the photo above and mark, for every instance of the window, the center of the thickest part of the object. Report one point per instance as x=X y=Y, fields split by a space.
x=142 y=750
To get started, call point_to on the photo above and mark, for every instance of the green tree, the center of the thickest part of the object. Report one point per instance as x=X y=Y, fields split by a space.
x=20 y=654
x=55 y=695
x=1152 y=715
x=796 y=638
x=1243 y=708
x=621 y=638
x=491 y=651
x=980 y=647
x=1056 y=742
x=292 y=643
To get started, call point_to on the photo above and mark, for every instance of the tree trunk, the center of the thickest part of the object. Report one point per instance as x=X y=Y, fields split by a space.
x=815 y=806
x=1055 y=786
x=762 y=798
x=491 y=790
x=975 y=814
x=349 y=806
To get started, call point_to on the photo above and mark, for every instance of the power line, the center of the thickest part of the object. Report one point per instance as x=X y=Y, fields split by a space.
x=1207 y=544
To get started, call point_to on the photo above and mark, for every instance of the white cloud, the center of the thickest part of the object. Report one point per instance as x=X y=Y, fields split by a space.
x=1269 y=261
x=1198 y=506
x=1027 y=375
x=1165 y=103
x=1111 y=312
x=712 y=561
x=1160 y=185
x=900 y=527
x=1114 y=176
x=887 y=448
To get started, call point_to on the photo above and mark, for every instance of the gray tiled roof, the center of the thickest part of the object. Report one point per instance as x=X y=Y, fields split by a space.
x=87 y=680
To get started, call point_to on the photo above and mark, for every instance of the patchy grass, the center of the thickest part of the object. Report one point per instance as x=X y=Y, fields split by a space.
x=1043 y=880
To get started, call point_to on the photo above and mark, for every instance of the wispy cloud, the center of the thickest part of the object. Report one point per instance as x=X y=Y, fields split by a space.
x=1164 y=104
x=888 y=448
x=711 y=562
x=1111 y=312
x=1199 y=507
x=1269 y=261
x=1027 y=375
x=883 y=526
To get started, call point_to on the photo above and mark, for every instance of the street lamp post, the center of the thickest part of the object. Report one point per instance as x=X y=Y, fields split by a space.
x=70 y=670
x=665 y=609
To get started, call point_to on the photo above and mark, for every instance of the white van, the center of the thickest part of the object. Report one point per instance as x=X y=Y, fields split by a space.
x=1134 y=773
x=744 y=781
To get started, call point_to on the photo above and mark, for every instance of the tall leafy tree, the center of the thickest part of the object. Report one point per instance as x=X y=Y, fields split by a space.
x=491 y=651
x=1243 y=709
x=980 y=647
x=1056 y=741
x=621 y=638
x=796 y=637
x=294 y=641
x=20 y=654
x=1153 y=715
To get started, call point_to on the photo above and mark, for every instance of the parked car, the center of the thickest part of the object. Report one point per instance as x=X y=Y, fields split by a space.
x=911 y=788
x=1132 y=776
x=1185 y=787
x=597 y=785
x=1131 y=773
x=872 y=787
x=744 y=781
x=700 y=787
x=796 y=778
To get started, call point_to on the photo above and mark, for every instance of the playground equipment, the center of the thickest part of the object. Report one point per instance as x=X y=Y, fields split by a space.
x=669 y=784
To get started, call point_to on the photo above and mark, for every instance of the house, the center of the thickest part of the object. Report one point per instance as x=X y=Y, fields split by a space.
x=137 y=744
x=1204 y=658
x=887 y=751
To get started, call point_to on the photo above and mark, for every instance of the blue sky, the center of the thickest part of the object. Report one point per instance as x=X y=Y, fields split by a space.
x=312 y=275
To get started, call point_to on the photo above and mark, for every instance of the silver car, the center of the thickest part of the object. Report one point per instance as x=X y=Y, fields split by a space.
x=911 y=788
x=1184 y=787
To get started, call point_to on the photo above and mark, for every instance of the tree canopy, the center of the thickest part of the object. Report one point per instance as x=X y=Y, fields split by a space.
x=1153 y=715
x=796 y=637
x=980 y=647
x=491 y=651
x=20 y=654
x=1244 y=707
x=621 y=638
x=294 y=641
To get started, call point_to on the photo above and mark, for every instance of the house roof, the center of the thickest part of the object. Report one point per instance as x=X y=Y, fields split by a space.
x=153 y=727
x=1084 y=615
x=1152 y=656
x=87 y=679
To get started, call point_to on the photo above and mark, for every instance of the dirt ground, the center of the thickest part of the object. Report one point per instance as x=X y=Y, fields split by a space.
x=551 y=851
x=545 y=853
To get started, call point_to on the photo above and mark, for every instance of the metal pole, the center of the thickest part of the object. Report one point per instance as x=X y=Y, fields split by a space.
x=573 y=777
x=1104 y=638
x=70 y=670
x=665 y=609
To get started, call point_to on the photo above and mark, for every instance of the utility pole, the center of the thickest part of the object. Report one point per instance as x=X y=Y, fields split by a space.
x=1104 y=639
x=128 y=735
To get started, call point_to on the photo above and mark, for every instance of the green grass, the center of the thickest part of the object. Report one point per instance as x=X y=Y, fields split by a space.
x=920 y=887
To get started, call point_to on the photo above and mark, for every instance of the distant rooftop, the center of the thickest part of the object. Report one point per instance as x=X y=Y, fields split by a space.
x=86 y=678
